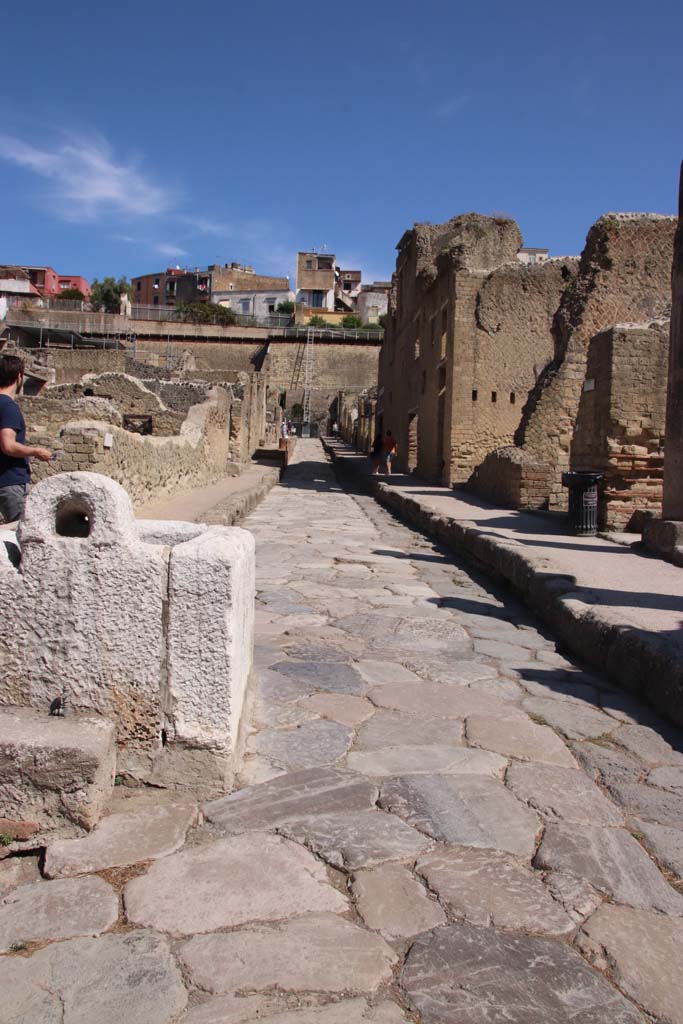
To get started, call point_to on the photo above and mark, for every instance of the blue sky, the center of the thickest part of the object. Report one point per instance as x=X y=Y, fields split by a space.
x=139 y=135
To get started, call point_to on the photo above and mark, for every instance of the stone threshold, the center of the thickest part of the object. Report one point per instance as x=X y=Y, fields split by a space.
x=639 y=645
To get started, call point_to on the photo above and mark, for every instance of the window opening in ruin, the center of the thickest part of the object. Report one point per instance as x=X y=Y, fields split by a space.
x=72 y=518
x=513 y=398
x=475 y=395
x=164 y=737
x=88 y=392
x=494 y=396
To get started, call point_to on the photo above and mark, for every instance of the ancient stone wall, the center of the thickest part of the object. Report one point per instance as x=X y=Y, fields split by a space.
x=619 y=429
x=673 y=464
x=46 y=413
x=469 y=335
x=149 y=467
x=624 y=277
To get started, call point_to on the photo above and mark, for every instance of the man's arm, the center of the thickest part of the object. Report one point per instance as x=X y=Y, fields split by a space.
x=10 y=446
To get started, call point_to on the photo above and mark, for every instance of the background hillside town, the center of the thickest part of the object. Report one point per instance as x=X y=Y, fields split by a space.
x=341 y=659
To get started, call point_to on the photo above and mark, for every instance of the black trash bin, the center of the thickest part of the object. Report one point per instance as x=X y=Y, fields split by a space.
x=583 y=502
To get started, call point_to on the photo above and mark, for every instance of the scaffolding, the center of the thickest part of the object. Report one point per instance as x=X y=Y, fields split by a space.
x=308 y=382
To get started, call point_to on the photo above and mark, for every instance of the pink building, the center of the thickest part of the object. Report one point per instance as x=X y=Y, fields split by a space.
x=50 y=284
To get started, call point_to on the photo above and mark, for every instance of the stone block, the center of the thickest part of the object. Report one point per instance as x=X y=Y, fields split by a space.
x=55 y=771
x=149 y=627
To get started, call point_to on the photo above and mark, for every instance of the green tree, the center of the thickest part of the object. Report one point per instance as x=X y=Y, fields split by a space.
x=317 y=321
x=71 y=293
x=351 y=322
x=285 y=308
x=107 y=293
x=205 y=313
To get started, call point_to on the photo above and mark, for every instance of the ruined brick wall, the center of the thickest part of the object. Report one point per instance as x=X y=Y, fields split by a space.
x=71 y=364
x=624 y=277
x=178 y=395
x=673 y=462
x=45 y=414
x=503 y=342
x=125 y=393
x=512 y=477
x=620 y=422
x=470 y=331
x=150 y=468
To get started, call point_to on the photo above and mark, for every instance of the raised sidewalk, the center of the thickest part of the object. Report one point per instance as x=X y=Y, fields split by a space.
x=619 y=609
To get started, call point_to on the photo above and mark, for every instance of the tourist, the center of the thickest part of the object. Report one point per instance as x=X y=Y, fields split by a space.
x=284 y=430
x=390 y=450
x=376 y=455
x=15 y=473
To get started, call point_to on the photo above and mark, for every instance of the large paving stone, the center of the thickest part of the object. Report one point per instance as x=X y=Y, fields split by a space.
x=339 y=707
x=469 y=809
x=393 y=729
x=57 y=910
x=274 y=688
x=316 y=652
x=649 y=803
x=319 y=742
x=16 y=871
x=391 y=901
x=297 y=795
x=318 y=953
x=486 y=887
x=667 y=778
x=131 y=977
x=612 y=861
x=240 y=1010
x=576 y=721
x=426 y=760
x=252 y=877
x=648 y=745
x=519 y=737
x=379 y=672
x=578 y=897
x=332 y=676
x=438 y=700
x=441 y=668
x=643 y=952
x=562 y=794
x=467 y=975
x=357 y=840
x=147 y=825
x=608 y=764
x=664 y=843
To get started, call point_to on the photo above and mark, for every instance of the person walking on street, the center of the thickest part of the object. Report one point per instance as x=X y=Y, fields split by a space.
x=15 y=472
x=390 y=450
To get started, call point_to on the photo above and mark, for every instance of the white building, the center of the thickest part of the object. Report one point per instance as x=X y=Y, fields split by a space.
x=260 y=304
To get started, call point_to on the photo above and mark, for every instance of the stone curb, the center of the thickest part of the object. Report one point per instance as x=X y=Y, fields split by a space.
x=636 y=659
x=237 y=506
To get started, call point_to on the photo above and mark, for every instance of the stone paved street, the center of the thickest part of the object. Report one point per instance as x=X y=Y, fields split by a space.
x=440 y=819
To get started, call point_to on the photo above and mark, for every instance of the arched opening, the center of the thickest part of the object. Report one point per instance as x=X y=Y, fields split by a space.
x=73 y=518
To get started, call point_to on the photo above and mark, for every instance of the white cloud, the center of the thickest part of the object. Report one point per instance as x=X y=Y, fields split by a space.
x=452 y=106
x=205 y=226
x=170 y=250
x=86 y=180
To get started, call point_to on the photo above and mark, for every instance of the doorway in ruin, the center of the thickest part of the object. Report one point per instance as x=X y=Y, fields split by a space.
x=440 y=419
x=411 y=454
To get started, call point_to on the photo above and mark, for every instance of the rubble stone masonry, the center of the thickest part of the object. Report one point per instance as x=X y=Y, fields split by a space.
x=673 y=467
x=624 y=277
x=469 y=335
x=619 y=428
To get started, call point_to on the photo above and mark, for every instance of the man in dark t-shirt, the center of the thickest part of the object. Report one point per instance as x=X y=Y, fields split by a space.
x=15 y=472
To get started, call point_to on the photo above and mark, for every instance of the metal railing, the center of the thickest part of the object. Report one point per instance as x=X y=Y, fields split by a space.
x=172 y=314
